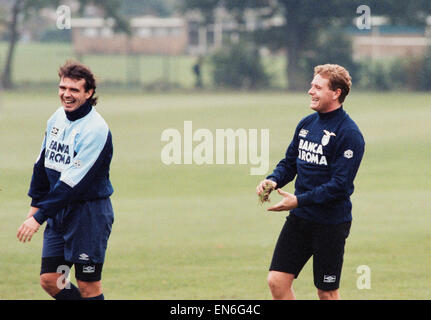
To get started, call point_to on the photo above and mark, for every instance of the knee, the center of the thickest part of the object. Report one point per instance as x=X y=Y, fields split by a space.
x=272 y=282
x=48 y=281
x=328 y=295
x=277 y=283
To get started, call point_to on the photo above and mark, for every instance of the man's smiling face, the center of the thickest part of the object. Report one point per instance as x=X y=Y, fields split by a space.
x=323 y=99
x=72 y=93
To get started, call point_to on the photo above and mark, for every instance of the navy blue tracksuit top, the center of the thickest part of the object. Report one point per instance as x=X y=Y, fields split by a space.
x=324 y=155
x=73 y=164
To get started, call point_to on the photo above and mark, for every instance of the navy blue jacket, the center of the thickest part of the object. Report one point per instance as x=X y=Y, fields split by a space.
x=324 y=155
x=73 y=164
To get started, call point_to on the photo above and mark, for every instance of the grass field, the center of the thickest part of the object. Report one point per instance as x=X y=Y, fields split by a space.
x=35 y=63
x=197 y=232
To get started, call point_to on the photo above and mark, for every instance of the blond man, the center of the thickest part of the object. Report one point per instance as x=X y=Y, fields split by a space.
x=324 y=156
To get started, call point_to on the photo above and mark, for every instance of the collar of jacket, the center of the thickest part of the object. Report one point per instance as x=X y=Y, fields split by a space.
x=332 y=114
x=79 y=113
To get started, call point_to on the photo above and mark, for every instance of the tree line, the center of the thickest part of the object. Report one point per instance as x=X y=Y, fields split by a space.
x=306 y=23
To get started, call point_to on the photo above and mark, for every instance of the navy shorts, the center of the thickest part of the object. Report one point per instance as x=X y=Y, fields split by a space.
x=88 y=272
x=301 y=239
x=80 y=232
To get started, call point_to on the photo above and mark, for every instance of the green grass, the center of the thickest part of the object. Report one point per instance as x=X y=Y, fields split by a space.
x=35 y=65
x=197 y=232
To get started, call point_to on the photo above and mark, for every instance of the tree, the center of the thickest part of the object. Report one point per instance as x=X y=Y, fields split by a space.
x=305 y=21
x=6 y=81
x=239 y=66
x=25 y=7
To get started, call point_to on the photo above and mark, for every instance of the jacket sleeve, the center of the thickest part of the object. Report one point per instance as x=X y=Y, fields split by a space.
x=285 y=171
x=39 y=185
x=348 y=156
x=91 y=151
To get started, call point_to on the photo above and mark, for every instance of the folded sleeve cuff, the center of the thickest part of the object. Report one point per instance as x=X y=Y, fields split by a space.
x=303 y=200
x=40 y=217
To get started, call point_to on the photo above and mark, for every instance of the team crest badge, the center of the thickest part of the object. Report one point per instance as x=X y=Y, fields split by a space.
x=77 y=163
x=348 y=154
x=327 y=135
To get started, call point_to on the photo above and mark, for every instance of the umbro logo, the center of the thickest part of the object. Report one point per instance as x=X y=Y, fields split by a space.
x=303 y=133
x=84 y=257
x=89 y=269
x=329 y=279
x=54 y=131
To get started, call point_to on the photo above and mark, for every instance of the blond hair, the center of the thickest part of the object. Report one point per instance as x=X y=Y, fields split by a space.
x=339 y=78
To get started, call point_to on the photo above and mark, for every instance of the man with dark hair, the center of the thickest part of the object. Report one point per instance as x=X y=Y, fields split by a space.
x=324 y=155
x=77 y=71
x=70 y=190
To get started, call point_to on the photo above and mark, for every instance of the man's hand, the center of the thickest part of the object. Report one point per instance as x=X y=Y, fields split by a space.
x=27 y=229
x=264 y=189
x=261 y=186
x=288 y=202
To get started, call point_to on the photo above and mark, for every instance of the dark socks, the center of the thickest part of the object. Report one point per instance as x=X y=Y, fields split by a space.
x=73 y=294
x=68 y=294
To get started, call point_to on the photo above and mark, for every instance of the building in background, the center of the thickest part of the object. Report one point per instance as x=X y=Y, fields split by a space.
x=385 y=40
x=205 y=38
x=167 y=36
x=149 y=35
x=190 y=35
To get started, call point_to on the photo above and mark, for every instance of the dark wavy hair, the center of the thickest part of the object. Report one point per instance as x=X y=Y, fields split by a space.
x=77 y=71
